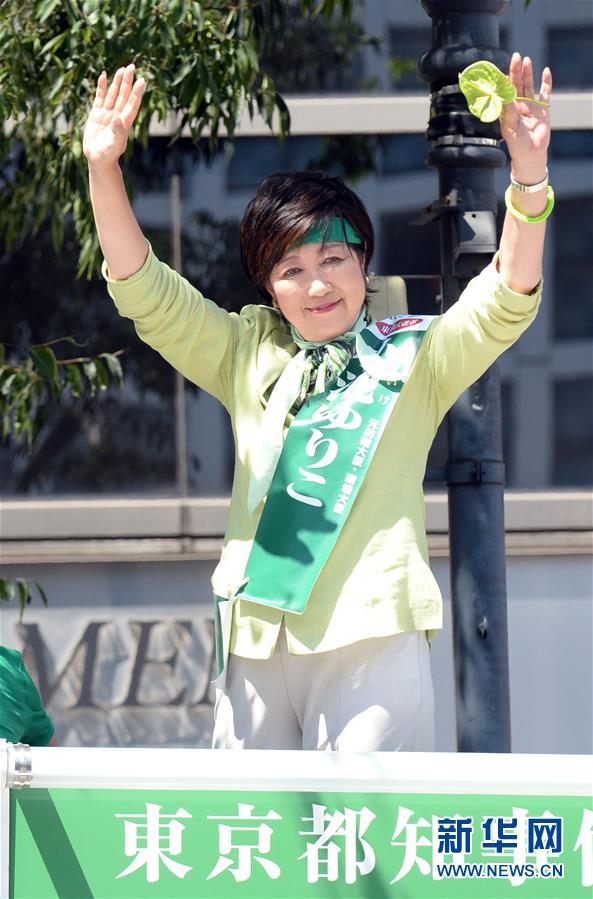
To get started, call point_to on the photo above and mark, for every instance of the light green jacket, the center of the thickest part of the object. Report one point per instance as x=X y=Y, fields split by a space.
x=377 y=580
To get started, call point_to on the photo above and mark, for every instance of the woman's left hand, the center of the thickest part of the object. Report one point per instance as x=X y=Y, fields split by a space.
x=526 y=126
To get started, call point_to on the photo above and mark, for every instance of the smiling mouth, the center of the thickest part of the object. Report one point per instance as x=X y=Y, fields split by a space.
x=325 y=307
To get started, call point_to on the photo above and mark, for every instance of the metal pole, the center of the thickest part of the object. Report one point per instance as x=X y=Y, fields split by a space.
x=466 y=151
x=180 y=404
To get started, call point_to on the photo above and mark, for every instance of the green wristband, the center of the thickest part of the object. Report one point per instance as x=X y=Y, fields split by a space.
x=530 y=219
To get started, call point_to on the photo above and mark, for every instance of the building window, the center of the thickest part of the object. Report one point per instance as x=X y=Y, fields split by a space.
x=573 y=432
x=406 y=45
x=570 y=55
x=571 y=145
x=573 y=268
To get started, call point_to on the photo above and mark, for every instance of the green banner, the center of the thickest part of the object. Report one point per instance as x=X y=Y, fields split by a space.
x=290 y=845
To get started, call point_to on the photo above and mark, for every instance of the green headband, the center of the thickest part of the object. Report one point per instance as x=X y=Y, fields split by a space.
x=326 y=231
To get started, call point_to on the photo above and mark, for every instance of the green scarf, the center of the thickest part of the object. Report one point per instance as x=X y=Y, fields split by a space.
x=324 y=362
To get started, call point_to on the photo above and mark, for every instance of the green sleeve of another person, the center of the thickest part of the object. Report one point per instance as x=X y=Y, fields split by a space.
x=22 y=716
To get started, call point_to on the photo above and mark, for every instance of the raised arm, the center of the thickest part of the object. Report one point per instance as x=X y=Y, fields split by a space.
x=526 y=130
x=104 y=140
x=500 y=303
x=192 y=333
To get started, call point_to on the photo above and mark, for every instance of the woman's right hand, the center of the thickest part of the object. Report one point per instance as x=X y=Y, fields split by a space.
x=111 y=118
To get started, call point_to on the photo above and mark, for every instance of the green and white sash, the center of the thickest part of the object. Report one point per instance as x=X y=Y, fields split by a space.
x=325 y=457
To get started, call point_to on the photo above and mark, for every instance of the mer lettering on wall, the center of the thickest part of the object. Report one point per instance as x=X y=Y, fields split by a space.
x=124 y=681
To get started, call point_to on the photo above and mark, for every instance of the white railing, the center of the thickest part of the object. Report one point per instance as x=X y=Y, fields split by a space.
x=206 y=769
x=540 y=788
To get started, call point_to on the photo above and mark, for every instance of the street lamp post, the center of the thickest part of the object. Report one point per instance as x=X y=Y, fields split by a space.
x=466 y=151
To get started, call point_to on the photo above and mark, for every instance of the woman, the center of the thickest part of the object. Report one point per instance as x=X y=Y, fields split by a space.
x=325 y=599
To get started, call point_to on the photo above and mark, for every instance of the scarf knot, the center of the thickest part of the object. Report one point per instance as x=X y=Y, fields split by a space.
x=324 y=362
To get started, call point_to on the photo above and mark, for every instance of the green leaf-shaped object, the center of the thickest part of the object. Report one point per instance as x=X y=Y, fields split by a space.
x=486 y=88
x=45 y=362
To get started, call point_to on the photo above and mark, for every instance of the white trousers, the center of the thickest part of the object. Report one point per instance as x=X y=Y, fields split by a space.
x=372 y=695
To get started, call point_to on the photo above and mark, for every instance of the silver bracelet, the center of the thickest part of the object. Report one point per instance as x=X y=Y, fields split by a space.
x=530 y=188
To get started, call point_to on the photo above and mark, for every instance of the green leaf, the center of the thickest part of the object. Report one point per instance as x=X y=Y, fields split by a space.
x=114 y=366
x=486 y=89
x=90 y=370
x=45 y=362
x=45 y=10
x=7 y=384
x=57 y=87
x=54 y=43
x=7 y=590
x=23 y=595
x=102 y=374
x=284 y=116
x=185 y=69
x=42 y=593
x=74 y=379
x=90 y=6
x=57 y=231
x=2 y=354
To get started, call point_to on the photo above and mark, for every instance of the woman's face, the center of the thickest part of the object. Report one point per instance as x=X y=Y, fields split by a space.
x=319 y=288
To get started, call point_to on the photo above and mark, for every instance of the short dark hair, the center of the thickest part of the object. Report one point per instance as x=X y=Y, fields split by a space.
x=285 y=207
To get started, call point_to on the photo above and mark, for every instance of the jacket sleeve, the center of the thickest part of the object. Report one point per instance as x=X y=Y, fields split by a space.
x=485 y=321
x=192 y=333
